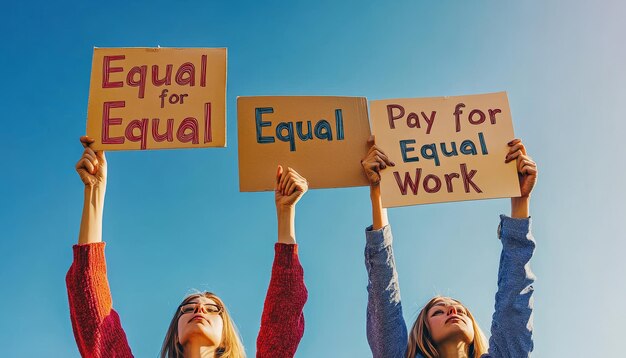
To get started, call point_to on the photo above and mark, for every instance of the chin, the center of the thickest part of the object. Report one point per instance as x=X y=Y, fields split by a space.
x=459 y=334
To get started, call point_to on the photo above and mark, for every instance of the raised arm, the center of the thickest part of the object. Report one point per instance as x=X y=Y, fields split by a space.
x=282 y=322
x=386 y=329
x=512 y=325
x=96 y=325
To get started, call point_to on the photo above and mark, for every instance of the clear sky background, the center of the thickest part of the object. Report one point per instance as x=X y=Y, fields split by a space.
x=175 y=220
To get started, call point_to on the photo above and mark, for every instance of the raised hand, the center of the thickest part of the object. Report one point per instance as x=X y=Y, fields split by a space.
x=290 y=186
x=375 y=161
x=526 y=167
x=92 y=166
x=92 y=169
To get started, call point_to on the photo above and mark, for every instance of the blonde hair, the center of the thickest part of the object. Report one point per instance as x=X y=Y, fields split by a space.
x=230 y=346
x=420 y=340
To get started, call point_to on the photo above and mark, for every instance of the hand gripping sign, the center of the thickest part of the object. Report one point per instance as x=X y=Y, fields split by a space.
x=157 y=98
x=445 y=148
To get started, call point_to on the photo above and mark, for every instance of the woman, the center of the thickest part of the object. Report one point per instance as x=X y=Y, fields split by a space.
x=445 y=327
x=201 y=325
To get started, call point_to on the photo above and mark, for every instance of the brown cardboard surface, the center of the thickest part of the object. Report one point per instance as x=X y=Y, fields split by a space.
x=183 y=106
x=324 y=163
x=489 y=135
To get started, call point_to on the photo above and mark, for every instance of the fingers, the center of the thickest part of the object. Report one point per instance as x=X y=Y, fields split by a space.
x=516 y=148
x=525 y=165
x=279 y=173
x=91 y=155
x=85 y=164
x=86 y=141
x=514 y=141
x=375 y=161
x=371 y=140
x=372 y=170
x=101 y=157
x=289 y=181
x=377 y=155
x=89 y=161
x=284 y=177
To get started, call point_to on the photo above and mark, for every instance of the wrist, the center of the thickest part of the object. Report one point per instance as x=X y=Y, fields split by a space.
x=375 y=192
x=286 y=224
x=285 y=210
x=520 y=207
x=95 y=194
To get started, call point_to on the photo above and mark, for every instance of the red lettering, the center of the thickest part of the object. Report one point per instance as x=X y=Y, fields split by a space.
x=467 y=179
x=142 y=125
x=208 y=133
x=408 y=182
x=108 y=121
x=437 y=183
x=169 y=131
x=492 y=115
x=107 y=70
x=167 y=80
x=391 y=117
x=141 y=83
x=481 y=116
x=203 y=71
x=449 y=178
x=188 y=69
x=188 y=123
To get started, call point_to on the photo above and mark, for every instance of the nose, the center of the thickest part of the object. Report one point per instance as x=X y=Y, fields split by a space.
x=452 y=310
x=199 y=308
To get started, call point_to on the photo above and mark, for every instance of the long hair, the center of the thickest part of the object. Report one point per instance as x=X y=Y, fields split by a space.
x=229 y=347
x=420 y=340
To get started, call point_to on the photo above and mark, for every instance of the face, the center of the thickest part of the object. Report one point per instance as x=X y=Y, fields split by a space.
x=448 y=320
x=200 y=322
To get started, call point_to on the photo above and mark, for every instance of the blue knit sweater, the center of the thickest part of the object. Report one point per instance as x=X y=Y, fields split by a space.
x=511 y=327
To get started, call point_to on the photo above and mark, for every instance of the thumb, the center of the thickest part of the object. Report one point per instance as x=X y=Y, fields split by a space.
x=101 y=157
x=279 y=174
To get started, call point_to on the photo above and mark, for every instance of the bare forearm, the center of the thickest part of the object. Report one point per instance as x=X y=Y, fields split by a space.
x=520 y=207
x=91 y=221
x=379 y=214
x=286 y=224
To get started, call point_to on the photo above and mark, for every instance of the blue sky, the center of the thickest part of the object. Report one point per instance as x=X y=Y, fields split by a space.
x=175 y=220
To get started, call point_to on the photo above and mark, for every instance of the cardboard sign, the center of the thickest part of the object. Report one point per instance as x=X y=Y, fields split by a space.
x=157 y=98
x=445 y=148
x=322 y=138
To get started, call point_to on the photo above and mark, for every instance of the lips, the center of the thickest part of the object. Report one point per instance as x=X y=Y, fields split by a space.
x=454 y=317
x=197 y=317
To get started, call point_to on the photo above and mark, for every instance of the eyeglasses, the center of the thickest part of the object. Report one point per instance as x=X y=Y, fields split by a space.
x=191 y=307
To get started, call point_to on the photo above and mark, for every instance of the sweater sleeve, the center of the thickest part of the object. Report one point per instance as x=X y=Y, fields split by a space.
x=386 y=329
x=97 y=327
x=282 y=322
x=512 y=325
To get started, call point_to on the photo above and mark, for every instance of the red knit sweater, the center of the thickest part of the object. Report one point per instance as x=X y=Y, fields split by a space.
x=98 y=330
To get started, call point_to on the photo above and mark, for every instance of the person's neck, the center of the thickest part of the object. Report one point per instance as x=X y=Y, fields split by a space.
x=197 y=350
x=452 y=349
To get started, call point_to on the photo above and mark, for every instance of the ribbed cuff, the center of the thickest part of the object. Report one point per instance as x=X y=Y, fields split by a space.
x=378 y=239
x=90 y=255
x=286 y=254
x=513 y=228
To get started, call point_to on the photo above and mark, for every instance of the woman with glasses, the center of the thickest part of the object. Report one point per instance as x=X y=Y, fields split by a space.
x=445 y=327
x=201 y=325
